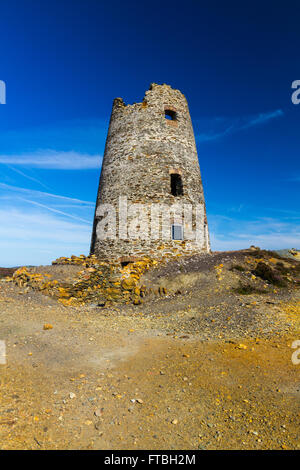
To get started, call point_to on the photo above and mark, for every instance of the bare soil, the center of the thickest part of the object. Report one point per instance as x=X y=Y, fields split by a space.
x=202 y=367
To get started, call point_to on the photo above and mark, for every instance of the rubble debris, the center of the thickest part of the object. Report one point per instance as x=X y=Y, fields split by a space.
x=98 y=282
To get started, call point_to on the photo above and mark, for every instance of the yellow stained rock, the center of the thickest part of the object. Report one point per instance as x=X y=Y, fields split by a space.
x=128 y=284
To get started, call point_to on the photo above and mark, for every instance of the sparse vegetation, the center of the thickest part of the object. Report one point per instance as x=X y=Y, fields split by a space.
x=265 y=254
x=4 y=272
x=247 y=289
x=237 y=267
x=283 y=269
x=266 y=273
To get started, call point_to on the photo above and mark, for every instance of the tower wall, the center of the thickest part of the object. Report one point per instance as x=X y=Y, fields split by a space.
x=142 y=150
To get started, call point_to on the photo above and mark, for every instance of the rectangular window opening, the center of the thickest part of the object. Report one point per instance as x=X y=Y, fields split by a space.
x=177 y=232
x=176 y=184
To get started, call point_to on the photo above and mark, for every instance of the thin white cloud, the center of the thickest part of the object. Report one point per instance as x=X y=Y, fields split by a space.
x=31 y=178
x=43 y=194
x=268 y=233
x=54 y=160
x=264 y=241
x=262 y=118
x=214 y=135
x=51 y=209
x=30 y=236
x=234 y=125
x=37 y=227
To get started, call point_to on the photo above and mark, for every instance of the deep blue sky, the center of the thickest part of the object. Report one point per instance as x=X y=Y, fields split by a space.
x=63 y=62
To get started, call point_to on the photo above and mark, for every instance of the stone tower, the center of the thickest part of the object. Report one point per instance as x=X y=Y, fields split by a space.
x=150 y=200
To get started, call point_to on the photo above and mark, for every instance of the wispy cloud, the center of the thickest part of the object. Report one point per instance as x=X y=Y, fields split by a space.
x=31 y=178
x=43 y=194
x=269 y=233
x=51 y=209
x=54 y=160
x=37 y=237
x=262 y=118
x=38 y=226
x=220 y=127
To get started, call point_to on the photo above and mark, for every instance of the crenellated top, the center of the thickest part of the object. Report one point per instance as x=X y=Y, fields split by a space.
x=156 y=92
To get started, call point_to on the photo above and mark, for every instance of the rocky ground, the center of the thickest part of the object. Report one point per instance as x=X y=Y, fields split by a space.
x=193 y=353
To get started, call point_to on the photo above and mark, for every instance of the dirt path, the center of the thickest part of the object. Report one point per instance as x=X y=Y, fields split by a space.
x=128 y=379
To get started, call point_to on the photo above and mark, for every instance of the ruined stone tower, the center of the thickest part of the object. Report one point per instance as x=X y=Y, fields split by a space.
x=150 y=200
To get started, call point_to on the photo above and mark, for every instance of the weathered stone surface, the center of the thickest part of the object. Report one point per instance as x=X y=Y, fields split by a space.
x=143 y=150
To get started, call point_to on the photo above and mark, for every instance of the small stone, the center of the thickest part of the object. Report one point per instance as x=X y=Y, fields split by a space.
x=98 y=412
x=72 y=395
x=174 y=421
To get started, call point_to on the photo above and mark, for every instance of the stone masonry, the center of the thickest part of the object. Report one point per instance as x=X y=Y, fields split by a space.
x=150 y=171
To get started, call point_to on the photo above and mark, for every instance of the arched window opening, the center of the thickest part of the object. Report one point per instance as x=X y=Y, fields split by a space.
x=176 y=184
